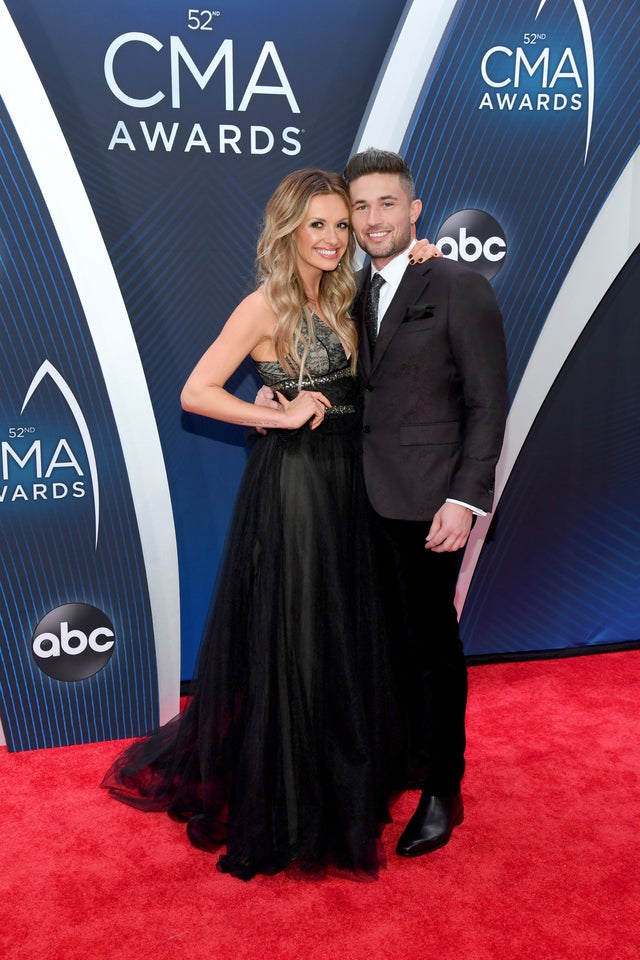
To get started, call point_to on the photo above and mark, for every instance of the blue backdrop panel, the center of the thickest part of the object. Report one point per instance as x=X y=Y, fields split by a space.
x=532 y=121
x=533 y=167
x=68 y=533
x=564 y=566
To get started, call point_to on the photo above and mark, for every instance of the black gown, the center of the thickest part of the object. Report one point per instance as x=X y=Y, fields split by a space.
x=291 y=746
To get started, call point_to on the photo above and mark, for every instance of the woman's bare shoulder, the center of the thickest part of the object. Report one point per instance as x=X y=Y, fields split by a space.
x=254 y=313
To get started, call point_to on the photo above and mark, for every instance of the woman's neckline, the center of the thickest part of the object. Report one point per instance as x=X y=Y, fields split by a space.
x=324 y=324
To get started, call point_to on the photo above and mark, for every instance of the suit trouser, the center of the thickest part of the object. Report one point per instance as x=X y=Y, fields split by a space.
x=419 y=588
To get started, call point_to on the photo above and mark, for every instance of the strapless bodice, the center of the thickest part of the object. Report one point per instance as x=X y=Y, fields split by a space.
x=327 y=369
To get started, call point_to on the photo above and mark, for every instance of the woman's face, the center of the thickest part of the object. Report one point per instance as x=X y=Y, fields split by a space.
x=323 y=236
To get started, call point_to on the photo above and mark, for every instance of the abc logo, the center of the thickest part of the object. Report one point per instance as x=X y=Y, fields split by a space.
x=475 y=238
x=73 y=642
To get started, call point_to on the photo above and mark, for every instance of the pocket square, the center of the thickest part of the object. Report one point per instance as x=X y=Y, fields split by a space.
x=421 y=312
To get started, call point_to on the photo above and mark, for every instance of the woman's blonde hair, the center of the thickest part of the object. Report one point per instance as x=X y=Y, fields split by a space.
x=278 y=270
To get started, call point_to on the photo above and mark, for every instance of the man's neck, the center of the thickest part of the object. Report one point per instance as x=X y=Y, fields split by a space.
x=379 y=265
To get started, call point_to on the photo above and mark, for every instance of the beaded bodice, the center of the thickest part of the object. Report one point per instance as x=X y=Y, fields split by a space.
x=327 y=369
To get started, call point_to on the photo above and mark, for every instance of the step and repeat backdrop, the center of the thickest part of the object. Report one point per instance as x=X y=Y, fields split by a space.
x=138 y=144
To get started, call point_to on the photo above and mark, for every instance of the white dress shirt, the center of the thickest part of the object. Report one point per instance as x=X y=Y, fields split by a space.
x=392 y=274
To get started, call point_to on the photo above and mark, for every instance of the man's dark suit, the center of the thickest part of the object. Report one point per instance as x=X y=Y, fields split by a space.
x=435 y=390
x=434 y=416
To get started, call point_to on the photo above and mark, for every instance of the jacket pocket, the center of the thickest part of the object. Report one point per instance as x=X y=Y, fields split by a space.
x=416 y=433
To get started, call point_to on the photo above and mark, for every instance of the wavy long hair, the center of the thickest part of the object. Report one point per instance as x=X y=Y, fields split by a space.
x=278 y=271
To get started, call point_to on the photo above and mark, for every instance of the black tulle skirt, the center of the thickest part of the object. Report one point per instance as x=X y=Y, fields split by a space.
x=292 y=743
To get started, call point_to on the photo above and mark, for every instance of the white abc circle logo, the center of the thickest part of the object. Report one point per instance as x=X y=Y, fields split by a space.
x=73 y=642
x=475 y=238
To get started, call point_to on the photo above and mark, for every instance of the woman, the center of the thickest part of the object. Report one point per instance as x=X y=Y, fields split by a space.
x=291 y=745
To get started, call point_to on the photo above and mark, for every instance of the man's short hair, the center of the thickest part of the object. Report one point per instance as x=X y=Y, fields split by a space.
x=372 y=160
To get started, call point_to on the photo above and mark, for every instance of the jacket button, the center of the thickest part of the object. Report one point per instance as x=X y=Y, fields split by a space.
x=369 y=386
x=366 y=428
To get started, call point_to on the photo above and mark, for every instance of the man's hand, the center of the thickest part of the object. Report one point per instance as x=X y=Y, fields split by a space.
x=265 y=397
x=450 y=528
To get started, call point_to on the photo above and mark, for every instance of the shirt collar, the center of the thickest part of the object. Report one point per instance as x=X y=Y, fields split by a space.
x=394 y=270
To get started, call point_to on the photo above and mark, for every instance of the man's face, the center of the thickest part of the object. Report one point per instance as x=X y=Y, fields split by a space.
x=382 y=215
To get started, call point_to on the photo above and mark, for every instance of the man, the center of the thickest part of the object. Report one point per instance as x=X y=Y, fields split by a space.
x=433 y=366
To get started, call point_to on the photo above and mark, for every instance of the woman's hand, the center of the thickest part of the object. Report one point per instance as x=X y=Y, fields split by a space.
x=308 y=407
x=423 y=250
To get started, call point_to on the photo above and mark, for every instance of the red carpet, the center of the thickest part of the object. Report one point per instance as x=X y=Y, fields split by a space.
x=545 y=866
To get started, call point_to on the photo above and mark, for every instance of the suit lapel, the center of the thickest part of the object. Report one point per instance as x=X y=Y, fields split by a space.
x=415 y=281
x=357 y=311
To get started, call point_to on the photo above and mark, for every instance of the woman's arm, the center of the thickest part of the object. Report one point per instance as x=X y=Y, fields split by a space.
x=250 y=324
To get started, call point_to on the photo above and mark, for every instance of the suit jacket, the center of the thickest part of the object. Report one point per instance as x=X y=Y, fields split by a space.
x=434 y=392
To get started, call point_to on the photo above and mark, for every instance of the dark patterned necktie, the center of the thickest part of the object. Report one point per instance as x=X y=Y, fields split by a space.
x=371 y=312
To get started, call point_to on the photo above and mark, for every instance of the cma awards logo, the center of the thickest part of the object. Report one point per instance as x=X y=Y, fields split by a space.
x=538 y=77
x=38 y=467
x=179 y=72
x=76 y=640
x=474 y=238
x=73 y=642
